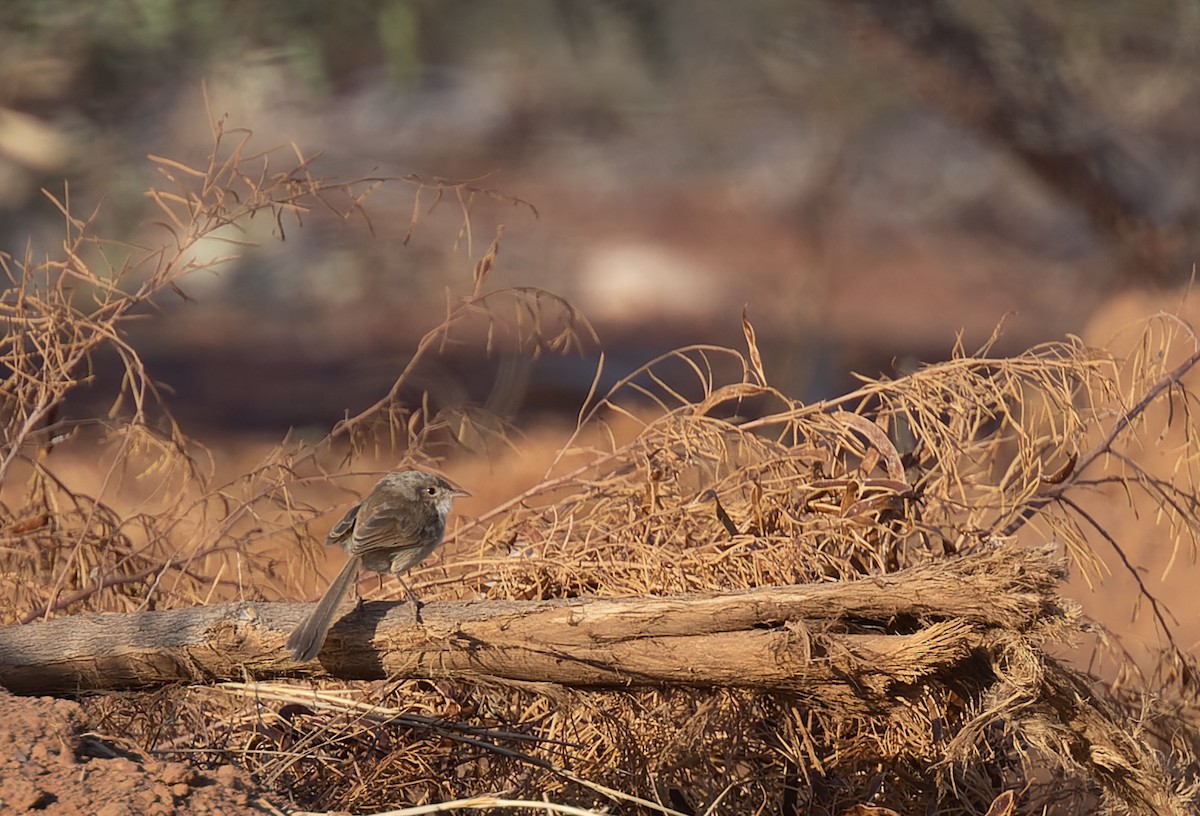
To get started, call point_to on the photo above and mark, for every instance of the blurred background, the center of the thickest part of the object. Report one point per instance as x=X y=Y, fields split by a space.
x=868 y=179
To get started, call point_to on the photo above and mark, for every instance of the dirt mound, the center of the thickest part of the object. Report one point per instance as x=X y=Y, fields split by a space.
x=50 y=764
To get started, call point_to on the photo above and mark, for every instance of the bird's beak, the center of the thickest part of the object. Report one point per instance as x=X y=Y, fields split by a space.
x=459 y=493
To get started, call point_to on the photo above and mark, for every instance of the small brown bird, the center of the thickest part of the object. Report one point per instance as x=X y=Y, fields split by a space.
x=397 y=526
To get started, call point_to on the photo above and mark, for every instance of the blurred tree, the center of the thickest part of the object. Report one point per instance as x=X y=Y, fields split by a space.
x=996 y=71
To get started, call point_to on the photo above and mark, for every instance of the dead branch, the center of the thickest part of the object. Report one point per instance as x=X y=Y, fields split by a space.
x=851 y=641
x=860 y=649
x=1105 y=447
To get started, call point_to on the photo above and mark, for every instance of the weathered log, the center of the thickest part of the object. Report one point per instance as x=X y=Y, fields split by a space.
x=853 y=640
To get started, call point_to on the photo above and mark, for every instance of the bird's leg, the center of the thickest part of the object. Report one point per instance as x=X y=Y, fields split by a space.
x=417 y=604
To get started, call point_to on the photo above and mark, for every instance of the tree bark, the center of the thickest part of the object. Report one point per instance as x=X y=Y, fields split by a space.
x=854 y=641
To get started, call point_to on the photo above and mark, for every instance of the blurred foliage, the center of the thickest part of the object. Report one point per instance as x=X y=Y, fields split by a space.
x=722 y=75
x=780 y=108
x=120 y=45
x=115 y=48
x=643 y=90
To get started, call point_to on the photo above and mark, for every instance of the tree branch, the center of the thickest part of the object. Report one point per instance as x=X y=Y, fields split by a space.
x=1031 y=509
x=851 y=642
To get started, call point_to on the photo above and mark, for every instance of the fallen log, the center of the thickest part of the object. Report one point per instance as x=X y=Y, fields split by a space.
x=853 y=641
x=862 y=649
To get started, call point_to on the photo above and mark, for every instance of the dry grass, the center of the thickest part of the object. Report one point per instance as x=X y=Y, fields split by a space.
x=692 y=474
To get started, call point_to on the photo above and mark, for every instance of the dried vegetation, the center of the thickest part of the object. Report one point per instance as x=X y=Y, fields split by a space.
x=692 y=474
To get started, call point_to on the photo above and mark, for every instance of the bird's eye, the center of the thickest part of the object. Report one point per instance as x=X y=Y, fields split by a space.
x=431 y=490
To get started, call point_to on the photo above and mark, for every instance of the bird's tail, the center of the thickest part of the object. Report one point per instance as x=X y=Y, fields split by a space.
x=306 y=641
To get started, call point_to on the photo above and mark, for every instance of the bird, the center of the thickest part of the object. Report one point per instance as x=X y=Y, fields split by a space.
x=399 y=523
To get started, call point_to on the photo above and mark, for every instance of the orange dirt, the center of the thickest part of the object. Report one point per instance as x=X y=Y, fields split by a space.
x=49 y=764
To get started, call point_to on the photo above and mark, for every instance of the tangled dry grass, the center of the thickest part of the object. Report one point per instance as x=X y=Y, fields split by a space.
x=693 y=474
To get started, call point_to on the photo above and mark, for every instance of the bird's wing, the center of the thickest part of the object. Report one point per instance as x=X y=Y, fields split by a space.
x=390 y=527
x=340 y=531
